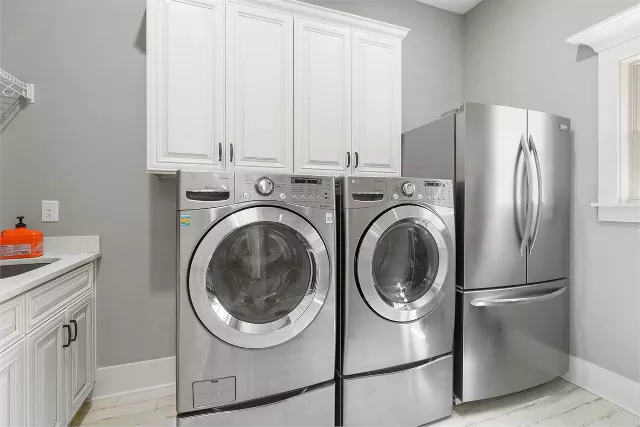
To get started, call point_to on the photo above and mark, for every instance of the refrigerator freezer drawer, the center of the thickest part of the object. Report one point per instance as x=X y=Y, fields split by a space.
x=412 y=397
x=508 y=340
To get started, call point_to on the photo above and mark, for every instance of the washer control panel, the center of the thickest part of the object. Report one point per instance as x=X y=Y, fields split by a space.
x=438 y=192
x=308 y=191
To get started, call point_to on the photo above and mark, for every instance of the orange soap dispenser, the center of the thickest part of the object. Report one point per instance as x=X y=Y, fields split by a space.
x=20 y=242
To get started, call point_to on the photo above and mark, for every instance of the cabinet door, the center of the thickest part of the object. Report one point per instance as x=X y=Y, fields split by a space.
x=377 y=110
x=322 y=98
x=259 y=88
x=185 y=66
x=80 y=355
x=12 y=398
x=46 y=389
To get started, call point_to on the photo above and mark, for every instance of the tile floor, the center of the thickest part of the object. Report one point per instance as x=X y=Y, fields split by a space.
x=557 y=403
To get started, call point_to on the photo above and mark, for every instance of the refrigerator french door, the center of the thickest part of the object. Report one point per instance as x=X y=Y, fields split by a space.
x=512 y=171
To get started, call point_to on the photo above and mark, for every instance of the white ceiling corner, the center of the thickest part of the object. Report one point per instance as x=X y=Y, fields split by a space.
x=457 y=6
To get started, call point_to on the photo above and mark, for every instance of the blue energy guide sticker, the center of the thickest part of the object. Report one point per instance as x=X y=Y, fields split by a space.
x=185 y=220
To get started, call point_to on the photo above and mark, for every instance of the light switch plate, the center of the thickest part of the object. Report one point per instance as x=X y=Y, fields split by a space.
x=50 y=211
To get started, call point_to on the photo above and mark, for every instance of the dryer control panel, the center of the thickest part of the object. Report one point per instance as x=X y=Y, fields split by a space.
x=438 y=192
x=311 y=191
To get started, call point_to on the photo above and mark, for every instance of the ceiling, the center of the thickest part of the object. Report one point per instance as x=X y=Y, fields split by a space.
x=457 y=6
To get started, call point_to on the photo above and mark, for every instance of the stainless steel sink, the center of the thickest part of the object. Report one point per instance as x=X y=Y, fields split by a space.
x=12 y=268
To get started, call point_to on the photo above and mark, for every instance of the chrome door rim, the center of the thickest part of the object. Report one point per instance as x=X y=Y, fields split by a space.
x=405 y=312
x=251 y=335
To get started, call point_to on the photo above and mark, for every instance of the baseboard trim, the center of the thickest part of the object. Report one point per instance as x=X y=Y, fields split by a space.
x=615 y=388
x=134 y=377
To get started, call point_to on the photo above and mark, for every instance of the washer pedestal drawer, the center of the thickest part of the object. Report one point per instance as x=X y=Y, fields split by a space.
x=411 y=398
x=313 y=408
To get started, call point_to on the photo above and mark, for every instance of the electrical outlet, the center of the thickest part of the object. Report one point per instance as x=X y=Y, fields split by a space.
x=50 y=211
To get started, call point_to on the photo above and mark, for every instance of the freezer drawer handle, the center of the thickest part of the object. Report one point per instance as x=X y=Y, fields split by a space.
x=510 y=301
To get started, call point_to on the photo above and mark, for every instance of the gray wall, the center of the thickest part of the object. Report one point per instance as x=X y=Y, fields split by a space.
x=83 y=143
x=432 y=54
x=516 y=54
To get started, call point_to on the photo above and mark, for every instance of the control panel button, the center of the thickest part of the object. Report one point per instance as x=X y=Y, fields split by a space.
x=246 y=195
x=395 y=197
x=283 y=196
x=264 y=186
x=408 y=189
x=419 y=196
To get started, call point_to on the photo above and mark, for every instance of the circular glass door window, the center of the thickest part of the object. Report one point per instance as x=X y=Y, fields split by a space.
x=402 y=263
x=405 y=262
x=259 y=277
x=260 y=273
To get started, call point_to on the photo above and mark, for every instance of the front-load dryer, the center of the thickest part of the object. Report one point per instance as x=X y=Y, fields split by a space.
x=397 y=300
x=256 y=299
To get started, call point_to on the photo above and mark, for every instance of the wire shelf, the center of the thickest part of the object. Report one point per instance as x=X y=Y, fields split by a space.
x=11 y=87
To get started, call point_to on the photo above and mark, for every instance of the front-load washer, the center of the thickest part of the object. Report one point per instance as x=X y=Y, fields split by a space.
x=397 y=300
x=256 y=299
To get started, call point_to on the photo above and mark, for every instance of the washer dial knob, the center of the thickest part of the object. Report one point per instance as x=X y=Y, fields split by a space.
x=264 y=186
x=408 y=189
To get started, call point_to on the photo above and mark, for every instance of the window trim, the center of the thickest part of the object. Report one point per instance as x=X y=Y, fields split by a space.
x=615 y=40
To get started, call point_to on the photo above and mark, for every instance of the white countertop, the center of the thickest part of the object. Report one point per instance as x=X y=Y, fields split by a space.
x=14 y=286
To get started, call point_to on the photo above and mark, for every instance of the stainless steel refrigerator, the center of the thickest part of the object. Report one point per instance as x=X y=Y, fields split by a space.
x=512 y=169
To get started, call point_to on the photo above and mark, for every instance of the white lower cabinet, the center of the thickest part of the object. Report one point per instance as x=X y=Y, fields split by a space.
x=48 y=373
x=46 y=397
x=81 y=354
x=12 y=381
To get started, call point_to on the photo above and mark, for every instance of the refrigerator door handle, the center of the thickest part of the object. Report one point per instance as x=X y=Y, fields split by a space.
x=523 y=300
x=530 y=203
x=538 y=221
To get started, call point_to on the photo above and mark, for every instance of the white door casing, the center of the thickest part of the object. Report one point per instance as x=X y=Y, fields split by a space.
x=185 y=83
x=259 y=88
x=12 y=390
x=377 y=109
x=322 y=98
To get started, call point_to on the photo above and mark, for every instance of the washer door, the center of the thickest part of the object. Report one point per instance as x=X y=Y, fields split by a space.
x=402 y=263
x=259 y=277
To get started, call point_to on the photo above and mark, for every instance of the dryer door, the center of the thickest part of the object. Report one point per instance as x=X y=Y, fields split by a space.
x=402 y=263
x=259 y=277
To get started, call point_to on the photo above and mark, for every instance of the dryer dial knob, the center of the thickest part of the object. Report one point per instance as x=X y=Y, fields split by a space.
x=408 y=189
x=264 y=186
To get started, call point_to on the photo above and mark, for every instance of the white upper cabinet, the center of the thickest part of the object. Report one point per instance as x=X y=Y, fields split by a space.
x=280 y=86
x=323 y=98
x=259 y=88
x=377 y=120
x=185 y=78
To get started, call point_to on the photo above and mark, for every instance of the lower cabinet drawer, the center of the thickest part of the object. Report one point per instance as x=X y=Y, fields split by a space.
x=46 y=300
x=508 y=340
x=12 y=326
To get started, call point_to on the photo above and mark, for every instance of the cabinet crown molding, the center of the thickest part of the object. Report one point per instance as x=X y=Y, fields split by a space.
x=312 y=11
x=610 y=32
